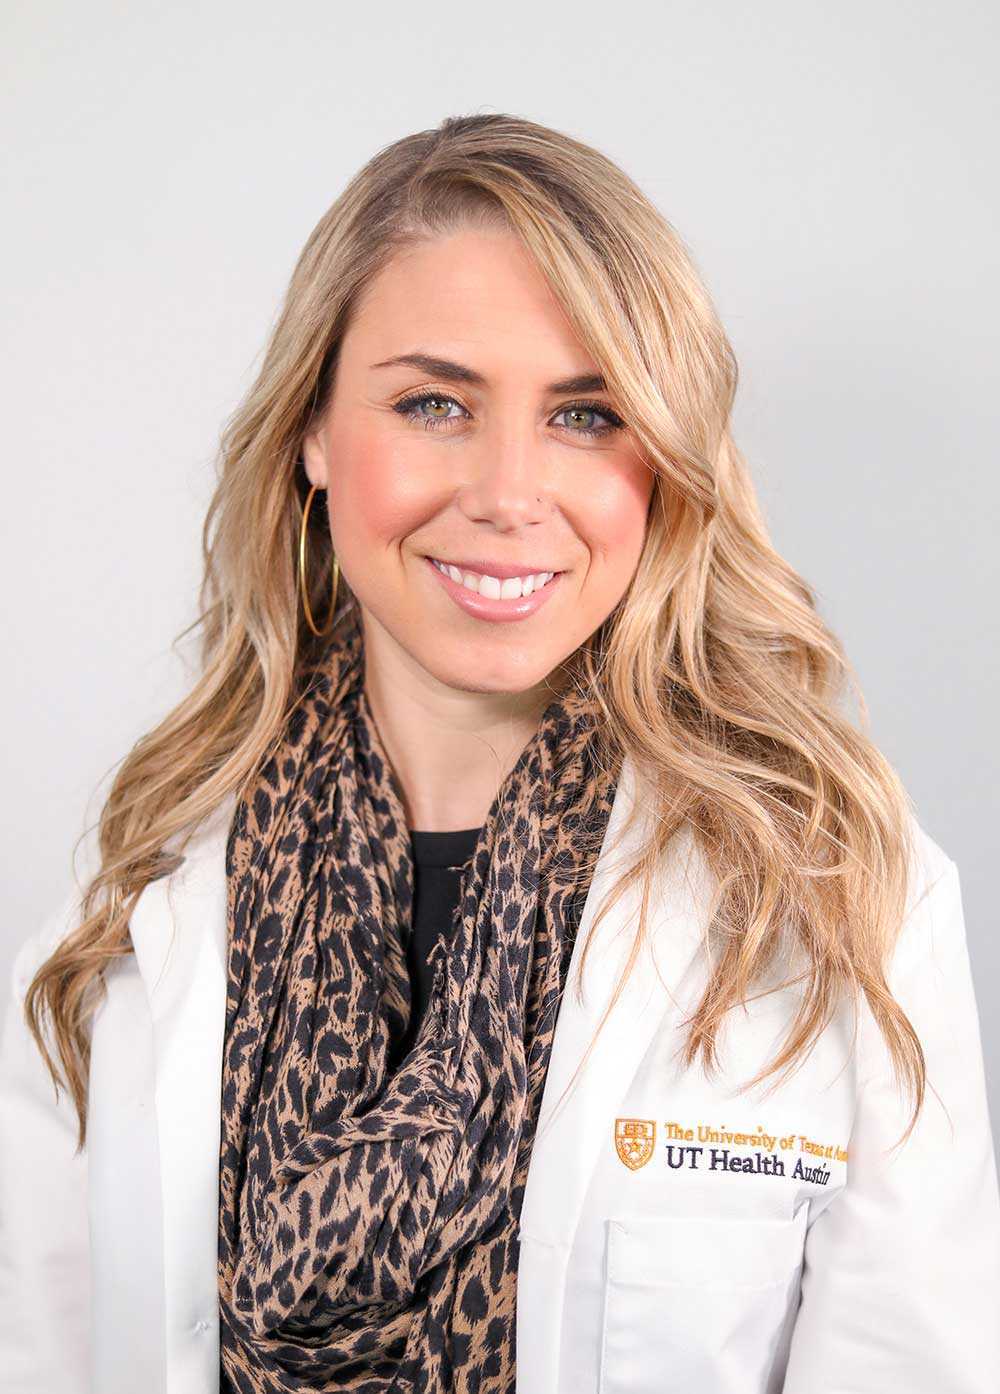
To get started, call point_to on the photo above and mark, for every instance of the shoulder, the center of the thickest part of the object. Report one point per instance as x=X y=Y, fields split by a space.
x=59 y=920
x=929 y=861
x=933 y=926
x=199 y=847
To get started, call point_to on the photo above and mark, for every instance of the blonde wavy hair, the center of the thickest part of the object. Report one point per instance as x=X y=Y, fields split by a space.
x=714 y=672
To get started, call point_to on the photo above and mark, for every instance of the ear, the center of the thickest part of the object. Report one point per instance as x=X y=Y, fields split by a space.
x=314 y=457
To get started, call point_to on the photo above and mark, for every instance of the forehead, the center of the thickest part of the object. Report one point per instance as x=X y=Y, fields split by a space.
x=472 y=295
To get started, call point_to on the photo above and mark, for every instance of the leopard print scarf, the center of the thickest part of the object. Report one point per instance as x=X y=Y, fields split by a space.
x=369 y=1204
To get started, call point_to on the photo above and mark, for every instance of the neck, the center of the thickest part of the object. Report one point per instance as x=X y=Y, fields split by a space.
x=449 y=748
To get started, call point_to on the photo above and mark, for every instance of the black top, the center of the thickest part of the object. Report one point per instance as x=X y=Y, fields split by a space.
x=438 y=862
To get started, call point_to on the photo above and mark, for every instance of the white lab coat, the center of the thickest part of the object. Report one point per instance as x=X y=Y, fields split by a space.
x=675 y=1235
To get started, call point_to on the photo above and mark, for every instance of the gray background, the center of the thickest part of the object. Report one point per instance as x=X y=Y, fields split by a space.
x=831 y=167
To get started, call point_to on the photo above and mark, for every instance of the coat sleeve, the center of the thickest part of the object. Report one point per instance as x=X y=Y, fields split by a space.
x=901 y=1278
x=44 y=1234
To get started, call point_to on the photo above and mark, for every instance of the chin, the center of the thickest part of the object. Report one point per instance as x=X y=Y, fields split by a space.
x=518 y=673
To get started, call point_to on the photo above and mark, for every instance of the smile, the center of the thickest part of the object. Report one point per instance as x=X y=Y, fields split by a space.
x=493 y=598
x=493 y=587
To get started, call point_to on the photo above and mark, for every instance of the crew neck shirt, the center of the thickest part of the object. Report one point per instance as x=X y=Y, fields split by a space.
x=439 y=858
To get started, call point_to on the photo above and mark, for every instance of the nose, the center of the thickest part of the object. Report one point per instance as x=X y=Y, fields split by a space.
x=508 y=484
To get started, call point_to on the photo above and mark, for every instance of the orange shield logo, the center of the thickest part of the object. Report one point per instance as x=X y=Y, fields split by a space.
x=634 y=1139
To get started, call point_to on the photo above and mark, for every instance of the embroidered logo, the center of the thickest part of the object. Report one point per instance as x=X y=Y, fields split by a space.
x=634 y=1139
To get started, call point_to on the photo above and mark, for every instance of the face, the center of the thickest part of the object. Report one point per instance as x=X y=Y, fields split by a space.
x=487 y=511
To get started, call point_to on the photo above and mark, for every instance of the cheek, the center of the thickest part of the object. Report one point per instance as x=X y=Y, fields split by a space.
x=612 y=518
x=372 y=484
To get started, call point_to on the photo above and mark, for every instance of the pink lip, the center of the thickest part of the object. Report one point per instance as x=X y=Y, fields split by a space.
x=502 y=570
x=482 y=608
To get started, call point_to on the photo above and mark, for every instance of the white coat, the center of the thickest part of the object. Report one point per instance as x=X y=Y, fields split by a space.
x=675 y=1235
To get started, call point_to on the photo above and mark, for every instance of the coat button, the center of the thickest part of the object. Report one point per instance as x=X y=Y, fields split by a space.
x=201 y=1325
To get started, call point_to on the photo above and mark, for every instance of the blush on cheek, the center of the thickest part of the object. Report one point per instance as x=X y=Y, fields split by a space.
x=614 y=521
x=384 y=498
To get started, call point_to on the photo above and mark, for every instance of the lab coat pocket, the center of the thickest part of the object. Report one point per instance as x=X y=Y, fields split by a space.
x=704 y=1303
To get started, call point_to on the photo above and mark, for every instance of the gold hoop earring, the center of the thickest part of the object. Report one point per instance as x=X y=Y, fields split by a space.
x=303 y=589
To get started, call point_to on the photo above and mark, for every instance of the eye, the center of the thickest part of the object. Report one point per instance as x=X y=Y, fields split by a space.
x=412 y=409
x=578 y=409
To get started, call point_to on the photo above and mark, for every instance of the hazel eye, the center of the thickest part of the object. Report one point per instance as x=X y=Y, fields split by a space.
x=612 y=420
x=410 y=407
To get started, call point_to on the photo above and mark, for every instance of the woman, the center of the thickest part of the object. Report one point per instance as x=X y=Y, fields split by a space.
x=508 y=952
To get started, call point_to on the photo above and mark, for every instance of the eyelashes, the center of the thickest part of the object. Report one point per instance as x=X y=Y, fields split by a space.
x=409 y=407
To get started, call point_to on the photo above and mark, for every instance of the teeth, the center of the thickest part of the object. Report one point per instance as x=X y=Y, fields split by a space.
x=492 y=587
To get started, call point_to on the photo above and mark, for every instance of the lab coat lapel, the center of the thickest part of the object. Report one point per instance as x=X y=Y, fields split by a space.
x=570 y=1133
x=178 y=931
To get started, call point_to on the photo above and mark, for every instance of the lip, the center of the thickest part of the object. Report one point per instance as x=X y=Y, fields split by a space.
x=502 y=570
x=497 y=611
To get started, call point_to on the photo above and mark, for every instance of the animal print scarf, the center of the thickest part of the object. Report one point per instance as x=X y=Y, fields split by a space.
x=369 y=1204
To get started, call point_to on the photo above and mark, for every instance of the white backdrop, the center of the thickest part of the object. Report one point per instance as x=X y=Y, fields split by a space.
x=831 y=167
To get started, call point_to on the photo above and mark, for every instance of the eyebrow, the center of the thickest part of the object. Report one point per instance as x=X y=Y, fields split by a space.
x=459 y=372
